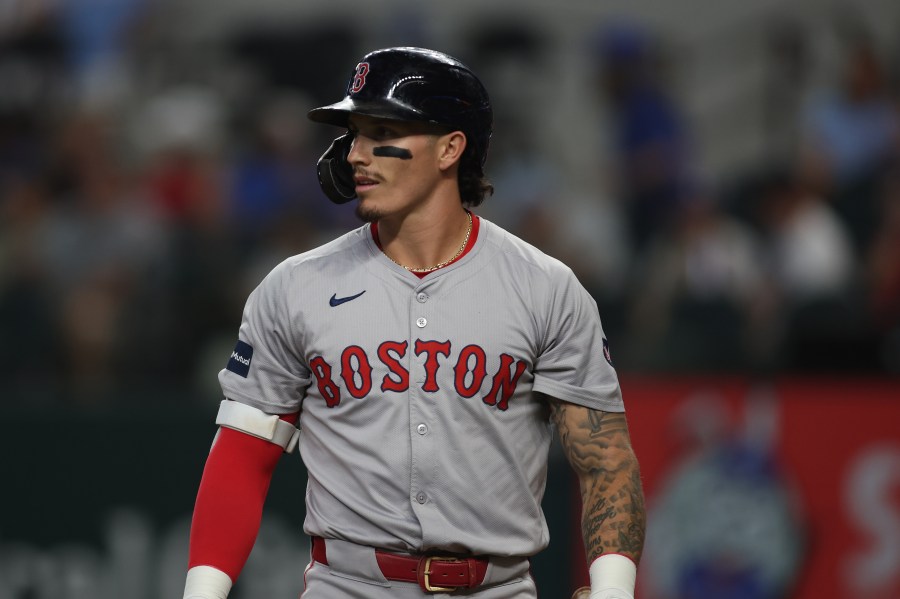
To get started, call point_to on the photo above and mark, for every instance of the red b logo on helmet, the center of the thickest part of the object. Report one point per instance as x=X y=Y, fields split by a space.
x=359 y=79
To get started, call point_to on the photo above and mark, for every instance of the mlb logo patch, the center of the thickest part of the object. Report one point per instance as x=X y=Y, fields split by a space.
x=239 y=362
x=606 y=353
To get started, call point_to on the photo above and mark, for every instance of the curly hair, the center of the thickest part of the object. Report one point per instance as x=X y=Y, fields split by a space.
x=474 y=187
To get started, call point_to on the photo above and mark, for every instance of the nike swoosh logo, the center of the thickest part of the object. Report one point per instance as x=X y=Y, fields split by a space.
x=337 y=301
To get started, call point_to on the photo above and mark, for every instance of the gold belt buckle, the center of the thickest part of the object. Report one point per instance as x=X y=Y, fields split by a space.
x=426 y=575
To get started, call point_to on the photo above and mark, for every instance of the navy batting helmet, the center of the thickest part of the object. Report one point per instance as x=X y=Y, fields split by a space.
x=415 y=84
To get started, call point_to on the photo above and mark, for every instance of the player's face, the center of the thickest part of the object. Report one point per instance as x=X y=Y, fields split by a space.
x=395 y=165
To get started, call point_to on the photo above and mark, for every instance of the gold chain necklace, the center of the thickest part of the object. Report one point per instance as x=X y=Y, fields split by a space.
x=445 y=262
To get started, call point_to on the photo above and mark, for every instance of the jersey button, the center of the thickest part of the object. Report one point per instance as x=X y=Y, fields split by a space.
x=421 y=497
x=421 y=322
x=421 y=429
x=422 y=297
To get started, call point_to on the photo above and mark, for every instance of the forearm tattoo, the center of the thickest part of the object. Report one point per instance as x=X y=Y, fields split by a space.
x=598 y=447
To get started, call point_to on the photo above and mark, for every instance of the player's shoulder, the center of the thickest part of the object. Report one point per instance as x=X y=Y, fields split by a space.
x=514 y=252
x=336 y=254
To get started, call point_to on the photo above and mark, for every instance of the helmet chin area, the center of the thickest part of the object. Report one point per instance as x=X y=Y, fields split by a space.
x=334 y=171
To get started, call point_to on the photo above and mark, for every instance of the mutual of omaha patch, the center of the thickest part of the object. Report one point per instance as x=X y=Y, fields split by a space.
x=239 y=362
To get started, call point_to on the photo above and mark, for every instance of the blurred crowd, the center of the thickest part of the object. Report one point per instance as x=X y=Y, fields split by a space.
x=140 y=203
x=791 y=264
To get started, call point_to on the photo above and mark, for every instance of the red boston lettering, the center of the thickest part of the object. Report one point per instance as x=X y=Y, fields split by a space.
x=469 y=372
x=327 y=387
x=479 y=370
x=385 y=354
x=504 y=382
x=363 y=370
x=432 y=349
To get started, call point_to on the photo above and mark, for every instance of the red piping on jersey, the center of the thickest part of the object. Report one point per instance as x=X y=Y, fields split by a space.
x=476 y=222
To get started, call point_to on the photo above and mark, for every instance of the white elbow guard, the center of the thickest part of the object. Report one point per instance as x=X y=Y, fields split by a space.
x=255 y=422
x=205 y=582
x=613 y=577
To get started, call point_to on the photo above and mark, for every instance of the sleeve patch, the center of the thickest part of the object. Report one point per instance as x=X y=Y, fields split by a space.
x=239 y=362
x=606 y=353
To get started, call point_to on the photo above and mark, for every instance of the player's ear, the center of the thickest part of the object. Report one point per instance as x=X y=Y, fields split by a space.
x=450 y=148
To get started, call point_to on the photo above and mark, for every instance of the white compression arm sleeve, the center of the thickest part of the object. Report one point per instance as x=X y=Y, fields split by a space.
x=613 y=577
x=205 y=582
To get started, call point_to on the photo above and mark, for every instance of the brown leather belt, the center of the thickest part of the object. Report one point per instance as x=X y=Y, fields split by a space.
x=433 y=573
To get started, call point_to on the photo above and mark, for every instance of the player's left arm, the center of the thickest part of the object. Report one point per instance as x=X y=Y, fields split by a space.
x=613 y=520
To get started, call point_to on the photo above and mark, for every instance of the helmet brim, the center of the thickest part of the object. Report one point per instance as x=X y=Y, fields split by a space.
x=338 y=113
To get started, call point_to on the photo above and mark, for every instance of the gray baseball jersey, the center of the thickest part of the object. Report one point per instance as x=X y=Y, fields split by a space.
x=423 y=417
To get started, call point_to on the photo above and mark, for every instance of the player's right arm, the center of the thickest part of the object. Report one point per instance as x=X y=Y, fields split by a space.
x=229 y=505
x=268 y=381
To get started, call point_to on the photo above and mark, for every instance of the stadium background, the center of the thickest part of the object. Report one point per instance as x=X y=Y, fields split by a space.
x=724 y=177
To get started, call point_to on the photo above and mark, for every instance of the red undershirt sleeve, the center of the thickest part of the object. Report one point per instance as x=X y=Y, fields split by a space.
x=229 y=506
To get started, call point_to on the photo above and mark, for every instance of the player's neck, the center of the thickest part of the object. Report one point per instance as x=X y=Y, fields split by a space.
x=422 y=241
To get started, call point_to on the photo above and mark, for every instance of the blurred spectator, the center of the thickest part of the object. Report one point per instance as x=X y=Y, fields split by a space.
x=651 y=141
x=180 y=135
x=850 y=132
x=183 y=142
x=30 y=350
x=813 y=270
x=97 y=33
x=100 y=247
x=274 y=186
x=693 y=299
x=810 y=252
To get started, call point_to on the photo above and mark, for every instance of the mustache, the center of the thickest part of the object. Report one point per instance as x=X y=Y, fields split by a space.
x=363 y=172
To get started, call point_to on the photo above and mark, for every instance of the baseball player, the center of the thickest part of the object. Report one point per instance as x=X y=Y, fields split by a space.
x=426 y=356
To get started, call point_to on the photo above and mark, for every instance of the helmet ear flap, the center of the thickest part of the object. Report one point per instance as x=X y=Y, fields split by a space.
x=335 y=172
